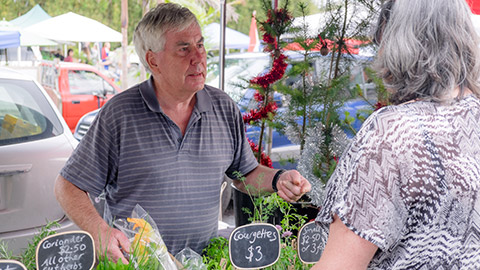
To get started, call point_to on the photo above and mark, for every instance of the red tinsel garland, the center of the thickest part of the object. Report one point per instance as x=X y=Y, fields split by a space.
x=256 y=114
x=258 y=97
x=277 y=19
x=276 y=73
x=264 y=160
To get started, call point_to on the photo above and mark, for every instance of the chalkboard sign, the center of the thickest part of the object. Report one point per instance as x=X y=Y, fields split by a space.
x=311 y=242
x=11 y=265
x=71 y=250
x=254 y=246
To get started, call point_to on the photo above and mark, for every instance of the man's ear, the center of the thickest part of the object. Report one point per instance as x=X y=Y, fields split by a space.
x=152 y=61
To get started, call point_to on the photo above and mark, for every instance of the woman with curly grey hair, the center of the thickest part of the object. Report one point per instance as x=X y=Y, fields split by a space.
x=406 y=192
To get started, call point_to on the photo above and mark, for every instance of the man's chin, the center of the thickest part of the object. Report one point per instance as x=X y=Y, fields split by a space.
x=197 y=87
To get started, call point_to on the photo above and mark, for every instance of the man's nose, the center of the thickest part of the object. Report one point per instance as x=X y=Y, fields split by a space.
x=197 y=56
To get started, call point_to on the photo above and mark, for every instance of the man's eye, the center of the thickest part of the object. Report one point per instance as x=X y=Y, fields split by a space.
x=200 y=45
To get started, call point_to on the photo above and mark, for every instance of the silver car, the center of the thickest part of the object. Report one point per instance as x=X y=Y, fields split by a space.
x=35 y=143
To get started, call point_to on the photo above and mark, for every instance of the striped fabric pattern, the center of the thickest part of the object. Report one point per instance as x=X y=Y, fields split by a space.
x=137 y=155
x=410 y=184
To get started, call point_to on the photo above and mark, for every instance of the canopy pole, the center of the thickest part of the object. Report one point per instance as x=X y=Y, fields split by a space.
x=270 y=129
x=19 y=55
x=124 y=18
x=274 y=4
x=223 y=19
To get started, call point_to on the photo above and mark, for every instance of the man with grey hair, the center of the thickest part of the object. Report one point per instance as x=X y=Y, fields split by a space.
x=165 y=144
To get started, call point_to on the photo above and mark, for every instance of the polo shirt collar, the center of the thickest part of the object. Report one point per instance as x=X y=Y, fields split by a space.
x=147 y=90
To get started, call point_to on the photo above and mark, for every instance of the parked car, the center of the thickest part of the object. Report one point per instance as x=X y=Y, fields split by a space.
x=75 y=88
x=35 y=143
x=84 y=124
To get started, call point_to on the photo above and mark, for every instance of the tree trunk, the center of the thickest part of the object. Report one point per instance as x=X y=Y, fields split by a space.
x=124 y=77
x=145 y=9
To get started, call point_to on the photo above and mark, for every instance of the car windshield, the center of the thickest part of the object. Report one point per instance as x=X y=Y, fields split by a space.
x=83 y=82
x=25 y=114
x=238 y=71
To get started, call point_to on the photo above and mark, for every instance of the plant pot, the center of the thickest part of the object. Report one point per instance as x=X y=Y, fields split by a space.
x=242 y=200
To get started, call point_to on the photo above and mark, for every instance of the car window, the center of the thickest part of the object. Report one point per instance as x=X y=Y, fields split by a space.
x=108 y=88
x=238 y=72
x=48 y=76
x=25 y=113
x=84 y=82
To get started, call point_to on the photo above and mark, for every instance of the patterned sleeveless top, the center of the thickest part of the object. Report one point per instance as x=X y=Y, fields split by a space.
x=410 y=184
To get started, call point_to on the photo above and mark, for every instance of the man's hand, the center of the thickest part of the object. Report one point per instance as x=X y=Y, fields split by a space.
x=292 y=185
x=112 y=243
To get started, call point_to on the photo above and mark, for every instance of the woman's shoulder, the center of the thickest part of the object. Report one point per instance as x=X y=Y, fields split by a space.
x=392 y=123
x=405 y=112
x=384 y=117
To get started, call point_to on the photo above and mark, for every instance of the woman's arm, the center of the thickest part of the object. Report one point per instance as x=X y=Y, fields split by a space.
x=345 y=249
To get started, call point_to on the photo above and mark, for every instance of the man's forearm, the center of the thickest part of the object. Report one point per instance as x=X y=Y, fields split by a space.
x=260 y=179
x=76 y=204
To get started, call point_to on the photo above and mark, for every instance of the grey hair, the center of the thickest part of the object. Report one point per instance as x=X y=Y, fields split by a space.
x=427 y=48
x=150 y=32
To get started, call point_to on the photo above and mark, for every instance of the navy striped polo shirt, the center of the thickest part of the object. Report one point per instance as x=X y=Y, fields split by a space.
x=137 y=155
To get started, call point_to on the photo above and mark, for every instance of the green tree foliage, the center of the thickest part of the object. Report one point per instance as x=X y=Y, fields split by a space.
x=108 y=12
x=245 y=9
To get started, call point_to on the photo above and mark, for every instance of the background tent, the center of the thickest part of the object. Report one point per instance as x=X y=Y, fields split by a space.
x=233 y=38
x=75 y=28
x=33 y=16
x=9 y=39
x=29 y=41
x=27 y=38
x=27 y=49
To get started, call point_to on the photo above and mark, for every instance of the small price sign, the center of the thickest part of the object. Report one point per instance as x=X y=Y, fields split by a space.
x=311 y=242
x=11 y=265
x=70 y=250
x=254 y=246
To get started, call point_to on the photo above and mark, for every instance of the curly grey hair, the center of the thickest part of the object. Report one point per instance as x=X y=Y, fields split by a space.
x=427 y=48
x=150 y=31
